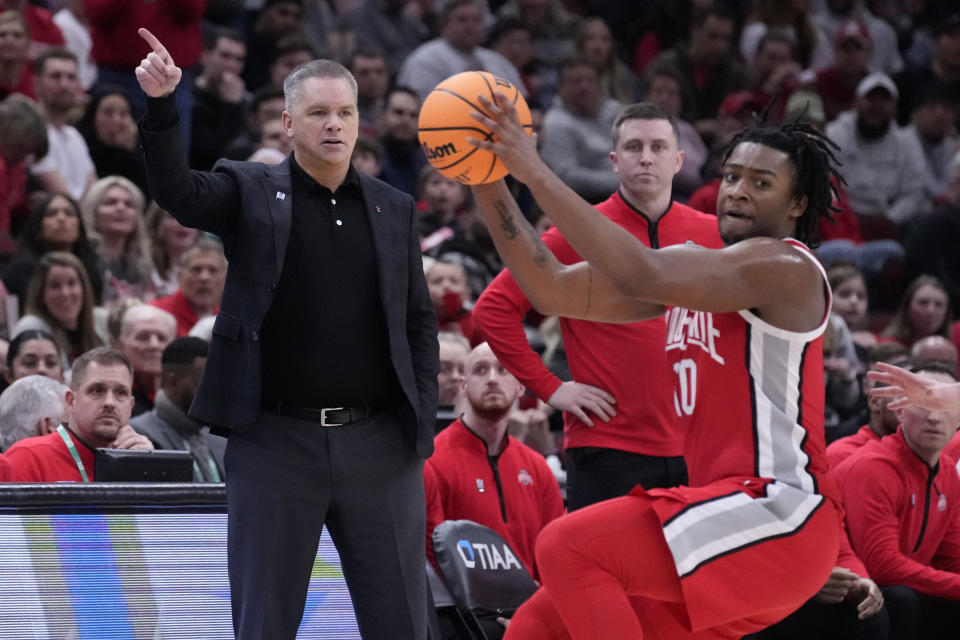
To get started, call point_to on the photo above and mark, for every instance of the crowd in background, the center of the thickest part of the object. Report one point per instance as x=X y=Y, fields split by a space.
x=87 y=259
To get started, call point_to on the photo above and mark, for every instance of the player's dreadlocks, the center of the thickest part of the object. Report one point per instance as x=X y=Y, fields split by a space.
x=815 y=163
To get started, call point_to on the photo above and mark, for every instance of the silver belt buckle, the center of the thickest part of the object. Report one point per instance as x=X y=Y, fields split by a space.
x=323 y=417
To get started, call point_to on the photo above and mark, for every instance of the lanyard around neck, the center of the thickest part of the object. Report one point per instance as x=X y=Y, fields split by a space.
x=67 y=440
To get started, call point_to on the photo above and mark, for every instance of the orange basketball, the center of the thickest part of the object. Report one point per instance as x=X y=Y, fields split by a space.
x=445 y=124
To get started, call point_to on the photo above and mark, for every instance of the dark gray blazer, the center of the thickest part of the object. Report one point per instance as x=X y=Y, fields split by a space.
x=249 y=206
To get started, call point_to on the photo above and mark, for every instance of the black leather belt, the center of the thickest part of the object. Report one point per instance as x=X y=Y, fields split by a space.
x=326 y=416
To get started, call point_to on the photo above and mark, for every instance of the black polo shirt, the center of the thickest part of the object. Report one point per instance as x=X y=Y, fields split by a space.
x=324 y=339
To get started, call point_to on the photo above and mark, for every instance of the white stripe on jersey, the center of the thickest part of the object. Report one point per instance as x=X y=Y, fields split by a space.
x=711 y=529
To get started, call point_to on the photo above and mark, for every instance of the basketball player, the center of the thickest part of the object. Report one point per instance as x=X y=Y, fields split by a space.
x=756 y=533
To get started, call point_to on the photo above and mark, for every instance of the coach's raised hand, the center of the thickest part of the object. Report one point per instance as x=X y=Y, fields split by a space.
x=157 y=74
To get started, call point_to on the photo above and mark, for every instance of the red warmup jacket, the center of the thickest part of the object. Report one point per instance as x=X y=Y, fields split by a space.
x=5 y=469
x=841 y=449
x=114 y=24
x=903 y=517
x=627 y=360
x=46 y=459
x=514 y=493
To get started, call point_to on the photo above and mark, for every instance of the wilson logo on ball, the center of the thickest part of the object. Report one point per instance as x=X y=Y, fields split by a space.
x=442 y=151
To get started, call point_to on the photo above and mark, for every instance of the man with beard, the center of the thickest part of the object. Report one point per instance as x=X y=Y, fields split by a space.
x=403 y=158
x=480 y=473
x=882 y=165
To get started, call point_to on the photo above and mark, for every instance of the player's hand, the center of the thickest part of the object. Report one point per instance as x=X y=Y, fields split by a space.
x=516 y=149
x=868 y=597
x=838 y=586
x=909 y=389
x=578 y=398
x=157 y=74
x=127 y=438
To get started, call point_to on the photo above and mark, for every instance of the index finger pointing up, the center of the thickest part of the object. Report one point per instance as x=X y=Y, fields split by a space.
x=155 y=44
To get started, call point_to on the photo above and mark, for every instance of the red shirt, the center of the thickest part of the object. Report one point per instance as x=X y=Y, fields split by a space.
x=44 y=32
x=24 y=85
x=114 y=23
x=840 y=450
x=5 y=469
x=751 y=396
x=178 y=305
x=903 y=517
x=13 y=191
x=514 y=493
x=705 y=198
x=46 y=459
x=600 y=354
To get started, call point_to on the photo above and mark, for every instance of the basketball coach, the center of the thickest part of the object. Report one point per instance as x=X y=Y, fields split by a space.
x=323 y=364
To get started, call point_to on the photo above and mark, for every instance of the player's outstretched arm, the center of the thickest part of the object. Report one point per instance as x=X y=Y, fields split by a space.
x=574 y=291
x=157 y=74
x=909 y=389
x=747 y=275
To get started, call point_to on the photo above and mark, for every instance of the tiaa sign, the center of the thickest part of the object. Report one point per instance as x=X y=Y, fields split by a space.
x=492 y=557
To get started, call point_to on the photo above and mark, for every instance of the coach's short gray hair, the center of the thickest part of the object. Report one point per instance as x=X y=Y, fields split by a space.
x=320 y=68
x=25 y=403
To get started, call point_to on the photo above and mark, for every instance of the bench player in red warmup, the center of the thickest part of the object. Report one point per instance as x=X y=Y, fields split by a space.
x=755 y=534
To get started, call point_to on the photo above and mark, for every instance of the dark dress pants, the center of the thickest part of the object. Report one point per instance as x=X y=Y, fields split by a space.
x=821 y=621
x=595 y=474
x=286 y=478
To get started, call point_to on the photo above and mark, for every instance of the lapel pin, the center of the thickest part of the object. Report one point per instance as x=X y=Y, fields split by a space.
x=281 y=195
x=378 y=209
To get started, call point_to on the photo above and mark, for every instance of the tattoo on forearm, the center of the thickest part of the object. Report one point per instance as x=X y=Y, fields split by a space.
x=507 y=224
x=589 y=289
x=539 y=249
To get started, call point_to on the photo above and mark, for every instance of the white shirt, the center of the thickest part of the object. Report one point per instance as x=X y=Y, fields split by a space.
x=70 y=156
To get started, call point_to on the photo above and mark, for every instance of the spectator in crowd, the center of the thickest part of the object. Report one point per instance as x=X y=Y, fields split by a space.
x=43 y=30
x=201 y=273
x=594 y=43
x=290 y=52
x=113 y=215
x=454 y=349
x=98 y=408
x=837 y=83
x=276 y=19
x=664 y=90
x=54 y=224
x=457 y=49
x=851 y=302
x=892 y=352
x=273 y=144
x=384 y=24
x=368 y=156
x=931 y=247
x=60 y=301
x=511 y=38
x=772 y=74
x=266 y=105
x=932 y=125
x=403 y=157
x=924 y=310
x=452 y=300
x=145 y=331
x=219 y=94
x=902 y=502
x=935 y=349
x=441 y=206
x=118 y=49
x=23 y=133
x=833 y=17
x=942 y=73
x=552 y=27
x=72 y=21
x=841 y=369
x=617 y=434
x=710 y=71
x=33 y=352
x=792 y=20
x=67 y=167
x=881 y=164
x=881 y=421
x=112 y=136
x=481 y=473
x=168 y=240
x=16 y=72
x=167 y=425
x=369 y=66
x=32 y=406
x=576 y=132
